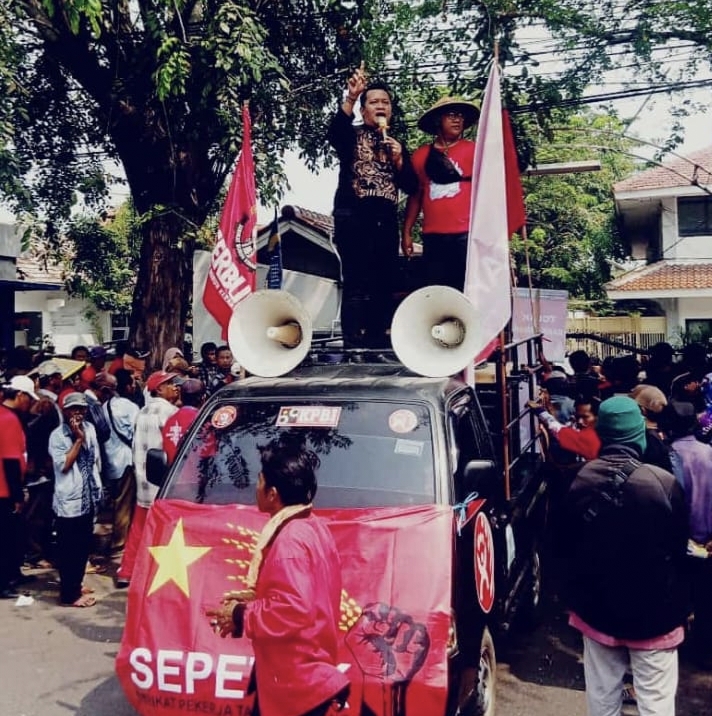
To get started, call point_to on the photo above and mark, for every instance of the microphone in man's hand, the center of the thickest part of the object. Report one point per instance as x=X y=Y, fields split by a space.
x=383 y=126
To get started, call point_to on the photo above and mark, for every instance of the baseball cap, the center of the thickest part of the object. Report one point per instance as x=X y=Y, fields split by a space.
x=158 y=378
x=48 y=367
x=23 y=384
x=74 y=400
x=97 y=352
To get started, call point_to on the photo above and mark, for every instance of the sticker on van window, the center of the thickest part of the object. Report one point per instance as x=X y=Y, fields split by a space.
x=308 y=416
x=409 y=447
x=402 y=421
x=224 y=417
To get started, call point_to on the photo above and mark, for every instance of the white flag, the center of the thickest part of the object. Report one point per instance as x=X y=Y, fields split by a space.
x=487 y=277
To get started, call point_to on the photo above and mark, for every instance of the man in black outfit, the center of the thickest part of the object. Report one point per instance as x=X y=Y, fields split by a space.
x=374 y=166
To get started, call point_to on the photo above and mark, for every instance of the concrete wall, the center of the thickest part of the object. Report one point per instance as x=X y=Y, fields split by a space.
x=676 y=248
x=65 y=319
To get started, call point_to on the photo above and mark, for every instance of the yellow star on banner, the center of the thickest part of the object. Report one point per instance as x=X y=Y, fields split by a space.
x=173 y=561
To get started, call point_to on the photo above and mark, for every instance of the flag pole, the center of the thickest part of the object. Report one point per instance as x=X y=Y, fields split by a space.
x=502 y=379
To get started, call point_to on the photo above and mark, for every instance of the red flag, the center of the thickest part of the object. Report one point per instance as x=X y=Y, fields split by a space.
x=496 y=212
x=516 y=212
x=233 y=264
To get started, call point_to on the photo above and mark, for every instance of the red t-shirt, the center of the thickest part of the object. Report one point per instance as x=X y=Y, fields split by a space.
x=175 y=428
x=446 y=207
x=12 y=445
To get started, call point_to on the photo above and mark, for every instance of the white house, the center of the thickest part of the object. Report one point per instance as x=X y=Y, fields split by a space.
x=34 y=303
x=665 y=216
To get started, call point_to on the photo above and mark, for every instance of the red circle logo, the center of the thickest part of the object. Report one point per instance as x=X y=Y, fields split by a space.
x=484 y=563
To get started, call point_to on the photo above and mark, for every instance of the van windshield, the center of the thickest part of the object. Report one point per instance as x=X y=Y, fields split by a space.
x=372 y=453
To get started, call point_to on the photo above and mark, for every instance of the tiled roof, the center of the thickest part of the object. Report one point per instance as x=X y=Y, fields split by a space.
x=36 y=269
x=323 y=223
x=664 y=276
x=675 y=172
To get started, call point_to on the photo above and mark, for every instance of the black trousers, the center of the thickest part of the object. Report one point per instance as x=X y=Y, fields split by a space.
x=8 y=542
x=367 y=242
x=39 y=518
x=74 y=540
x=445 y=258
x=702 y=607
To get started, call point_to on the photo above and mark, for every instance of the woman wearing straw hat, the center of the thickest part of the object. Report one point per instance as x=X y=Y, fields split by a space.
x=444 y=169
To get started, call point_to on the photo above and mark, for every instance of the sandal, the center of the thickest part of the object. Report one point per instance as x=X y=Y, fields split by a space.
x=95 y=569
x=83 y=602
x=87 y=590
x=629 y=696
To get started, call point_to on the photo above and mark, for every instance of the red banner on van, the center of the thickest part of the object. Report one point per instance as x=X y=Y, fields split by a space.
x=395 y=609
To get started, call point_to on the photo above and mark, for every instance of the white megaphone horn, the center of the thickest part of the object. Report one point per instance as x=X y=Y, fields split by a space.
x=434 y=331
x=269 y=333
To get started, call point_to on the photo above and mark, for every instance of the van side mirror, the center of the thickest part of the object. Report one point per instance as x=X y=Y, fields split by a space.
x=481 y=476
x=156 y=466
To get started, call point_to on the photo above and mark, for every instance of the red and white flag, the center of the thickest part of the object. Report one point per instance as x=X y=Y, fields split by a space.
x=497 y=211
x=233 y=264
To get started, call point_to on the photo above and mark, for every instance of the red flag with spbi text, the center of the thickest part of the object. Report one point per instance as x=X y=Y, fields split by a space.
x=233 y=263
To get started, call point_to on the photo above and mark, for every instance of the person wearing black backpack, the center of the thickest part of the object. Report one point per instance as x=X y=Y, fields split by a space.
x=120 y=412
x=623 y=541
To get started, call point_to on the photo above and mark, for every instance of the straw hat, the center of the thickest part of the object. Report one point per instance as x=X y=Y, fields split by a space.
x=430 y=123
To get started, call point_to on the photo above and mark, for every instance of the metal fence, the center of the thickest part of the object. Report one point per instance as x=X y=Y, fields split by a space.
x=606 y=336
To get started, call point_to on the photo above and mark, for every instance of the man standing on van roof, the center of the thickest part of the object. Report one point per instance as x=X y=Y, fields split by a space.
x=444 y=169
x=623 y=542
x=374 y=166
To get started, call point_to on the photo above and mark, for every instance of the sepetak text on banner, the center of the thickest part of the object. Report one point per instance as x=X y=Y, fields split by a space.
x=233 y=262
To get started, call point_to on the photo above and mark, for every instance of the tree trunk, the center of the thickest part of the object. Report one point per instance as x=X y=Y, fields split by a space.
x=163 y=289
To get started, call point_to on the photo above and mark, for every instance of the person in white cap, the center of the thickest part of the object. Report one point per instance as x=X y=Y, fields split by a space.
x=77 y=494
x=18 y=396
x=444 y=170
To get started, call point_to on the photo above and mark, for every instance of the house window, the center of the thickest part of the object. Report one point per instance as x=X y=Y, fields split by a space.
x=694 y=216
x=119 y=327
x=698 y=330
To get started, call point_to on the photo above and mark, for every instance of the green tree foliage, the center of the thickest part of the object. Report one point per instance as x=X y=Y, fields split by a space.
x=156 y=86
x=104 y=259
x=570 y=217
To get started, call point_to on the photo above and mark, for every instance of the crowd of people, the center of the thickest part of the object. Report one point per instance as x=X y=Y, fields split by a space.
x=74 y=435
x=630 y=448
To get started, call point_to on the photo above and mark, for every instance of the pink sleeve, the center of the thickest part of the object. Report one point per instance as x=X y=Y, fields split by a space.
x=284 y=606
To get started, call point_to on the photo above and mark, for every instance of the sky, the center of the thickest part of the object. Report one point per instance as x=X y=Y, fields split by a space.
x=653 y=121
x=316 y=191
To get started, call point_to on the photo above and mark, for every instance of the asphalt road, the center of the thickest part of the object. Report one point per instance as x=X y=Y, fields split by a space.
x=58 y=661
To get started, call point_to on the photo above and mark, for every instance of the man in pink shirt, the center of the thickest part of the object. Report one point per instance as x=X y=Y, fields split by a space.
x=290 y=609
x=192 y=392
